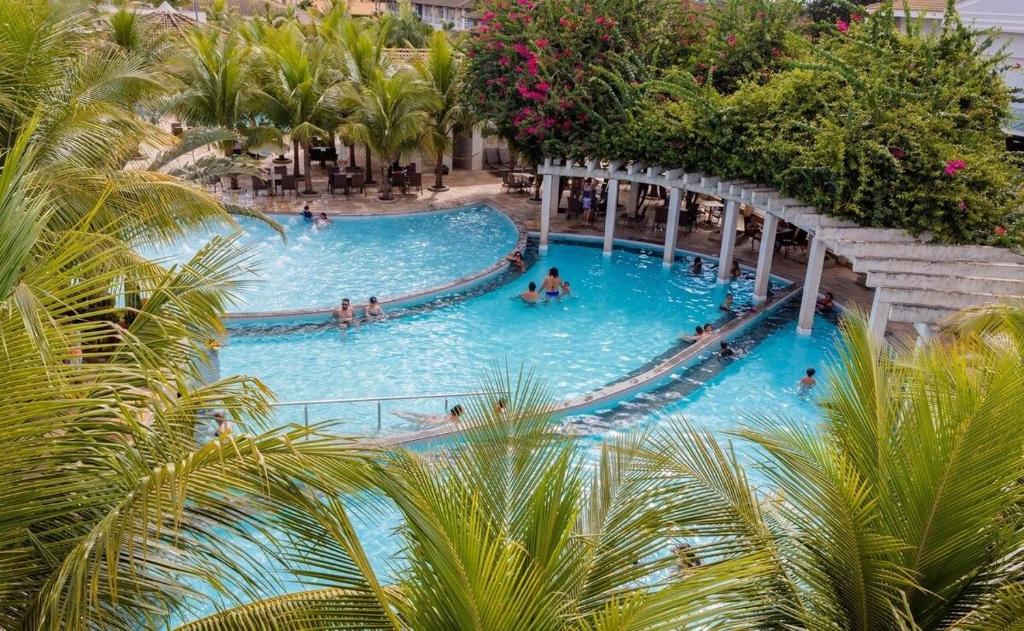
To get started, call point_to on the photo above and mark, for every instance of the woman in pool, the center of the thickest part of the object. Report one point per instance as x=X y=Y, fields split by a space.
x=552 y=284
x=565 y=288
x=346 y=314
x=516 y=261
x=322 y=221
x=735 y=272
x=374 y=310
x=698 y=265
x=727 y=305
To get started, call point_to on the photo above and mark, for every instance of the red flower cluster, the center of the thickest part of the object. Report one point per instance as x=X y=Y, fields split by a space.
x=954 y=166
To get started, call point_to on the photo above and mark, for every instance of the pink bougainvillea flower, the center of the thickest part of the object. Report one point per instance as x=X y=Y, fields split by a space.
x=1000 y=231
x=896 y=152
x=856 y=17
x=954 y=166
x=731 y=40
x=504 y=61
x=776 y=52
x=523 y=50
x=527 y=4
x=565 y=22
x=760 y=15
x=842 y=25
x=544 y=87
x=963 y=205
x=549 y=122
x=542 y=43
x=606 y=37
x=531 y=67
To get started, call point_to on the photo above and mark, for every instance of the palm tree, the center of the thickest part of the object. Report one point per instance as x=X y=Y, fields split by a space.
x=442 y=72
x=406 y=29
x=902 y=511
x=297 y=92
x=518 y=530
x=219 y=90
x=362 y=48
x=389 y=117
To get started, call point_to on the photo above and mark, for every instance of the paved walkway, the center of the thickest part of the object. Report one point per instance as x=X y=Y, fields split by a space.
x=475 y=186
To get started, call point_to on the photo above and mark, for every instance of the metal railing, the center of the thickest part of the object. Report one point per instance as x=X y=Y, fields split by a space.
x=380 y=400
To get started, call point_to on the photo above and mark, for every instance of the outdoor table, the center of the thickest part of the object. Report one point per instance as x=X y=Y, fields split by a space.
x=710 y=206
x=522 y=176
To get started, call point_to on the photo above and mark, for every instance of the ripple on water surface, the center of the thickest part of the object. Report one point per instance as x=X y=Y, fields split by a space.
x=624 y=311
x=361 y=256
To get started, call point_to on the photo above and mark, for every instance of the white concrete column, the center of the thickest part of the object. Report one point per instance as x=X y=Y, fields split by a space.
x=925 y=333
x=764 y=258
x=879 y=319
x=812 y=281
x=732 y=212
x=476 y=149
x=675 y=196
x=549 y=203
x=609 y=215
x=633 y=201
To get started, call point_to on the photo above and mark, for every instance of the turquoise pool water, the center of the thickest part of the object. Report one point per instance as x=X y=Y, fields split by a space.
x=720 y=395
x=625 y=310
x=360 y=257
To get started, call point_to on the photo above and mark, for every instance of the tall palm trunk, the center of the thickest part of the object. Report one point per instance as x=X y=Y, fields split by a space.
x=385 y=182
x=229 y=150
x=308 y=163
x=439 y=173
x=369 y=168
x=295 y=157
x=352 y=155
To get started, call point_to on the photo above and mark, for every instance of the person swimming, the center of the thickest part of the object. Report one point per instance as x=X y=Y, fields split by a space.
x=708 y=329
x=565 y=288
x=735 y=272
x=698 y=265
x=346 y=314
x=727 y=304
x=322 y=221
x=808 y=381
x=223 y=424
x=826 y=302
x=552 y=284
x=530 y=296
x=374 y=310
x=725 y=351
x=307 y=214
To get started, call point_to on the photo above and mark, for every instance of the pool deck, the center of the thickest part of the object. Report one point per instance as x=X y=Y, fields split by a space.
x=476 y=186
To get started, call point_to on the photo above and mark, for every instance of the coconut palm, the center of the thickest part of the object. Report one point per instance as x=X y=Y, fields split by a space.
x=219 y=90
x=901 y=511
x=442 y=72
x=517 y=529
x=389 y=117
x=406 y=29
x=297 y=90
x=362 y=48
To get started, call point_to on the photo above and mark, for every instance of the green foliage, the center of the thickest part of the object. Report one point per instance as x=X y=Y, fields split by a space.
x=884 y=128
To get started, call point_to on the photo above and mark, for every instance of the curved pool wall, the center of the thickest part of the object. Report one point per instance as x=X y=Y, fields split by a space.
x=402 y=258
x=283 y=359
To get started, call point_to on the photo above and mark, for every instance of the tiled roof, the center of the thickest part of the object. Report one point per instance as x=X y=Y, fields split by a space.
x=915 y=6
x=168 y=22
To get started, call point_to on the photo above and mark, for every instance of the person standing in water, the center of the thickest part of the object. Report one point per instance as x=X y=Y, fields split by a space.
x=530 y=296
x=307 y=214
x=346 y=313
x=552 y=284
x=374 y=310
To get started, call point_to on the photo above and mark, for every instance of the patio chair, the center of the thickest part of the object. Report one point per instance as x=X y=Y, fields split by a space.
x=289 y=183
x=259 y=184
x=492 y=160
x=505 y=158
x=506 y=180
x=398 y=180
x=415 y=181
x=358 y=181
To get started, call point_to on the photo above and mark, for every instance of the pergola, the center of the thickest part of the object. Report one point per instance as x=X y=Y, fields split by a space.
x=914 y=281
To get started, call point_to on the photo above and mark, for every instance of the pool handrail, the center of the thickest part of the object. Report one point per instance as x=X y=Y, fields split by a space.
x=378 y=400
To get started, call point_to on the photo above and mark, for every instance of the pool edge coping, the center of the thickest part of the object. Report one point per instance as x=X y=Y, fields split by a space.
x=402 y=300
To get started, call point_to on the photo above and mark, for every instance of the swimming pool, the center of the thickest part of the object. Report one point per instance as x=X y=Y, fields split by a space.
x=383 y=255
x=625 y=310
x=721 y=395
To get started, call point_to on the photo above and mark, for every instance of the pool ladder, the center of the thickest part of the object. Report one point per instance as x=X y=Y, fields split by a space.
x=380 y=400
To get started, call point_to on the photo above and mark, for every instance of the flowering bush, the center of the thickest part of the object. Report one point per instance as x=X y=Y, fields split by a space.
x=548 y=75
x=869 y=124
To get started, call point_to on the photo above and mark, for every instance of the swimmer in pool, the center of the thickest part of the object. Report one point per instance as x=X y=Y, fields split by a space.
x=530 y=296
x=346 y=314
x=374 y=310
x=565 y=288
x=552 y=284
x=322 y=221
x=516 y=261
x=725 y=351
x=708 y=329
x=727 y=305
x=307 y=214
x=697 y=334
x=807 y=381
x=698 y=265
